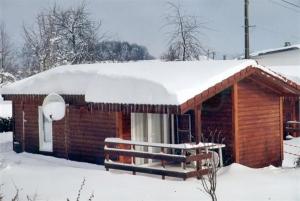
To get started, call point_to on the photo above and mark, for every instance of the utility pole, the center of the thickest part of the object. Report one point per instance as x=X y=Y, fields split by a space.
x=247 y=48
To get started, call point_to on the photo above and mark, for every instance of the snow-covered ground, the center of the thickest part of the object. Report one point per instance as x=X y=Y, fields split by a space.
x=57 y=179
x=5 y=109
x=291 y=152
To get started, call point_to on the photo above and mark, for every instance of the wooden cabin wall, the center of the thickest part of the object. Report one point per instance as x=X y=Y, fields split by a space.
x=17 y=109
x=87 y=132
x=216 y=117
x=79 y=136
x=258 y=134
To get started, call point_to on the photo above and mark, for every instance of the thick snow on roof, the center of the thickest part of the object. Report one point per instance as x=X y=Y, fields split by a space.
x=290 y=72
x=145 y=82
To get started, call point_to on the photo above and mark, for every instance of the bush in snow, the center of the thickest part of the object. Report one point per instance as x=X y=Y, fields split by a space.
x=6 y=124
x=297 y=162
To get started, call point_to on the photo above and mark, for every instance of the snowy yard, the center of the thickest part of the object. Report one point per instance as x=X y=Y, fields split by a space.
x=57 y=179
x=5 y=109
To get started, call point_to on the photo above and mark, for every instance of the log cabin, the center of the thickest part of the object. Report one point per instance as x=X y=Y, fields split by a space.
x=153 y=101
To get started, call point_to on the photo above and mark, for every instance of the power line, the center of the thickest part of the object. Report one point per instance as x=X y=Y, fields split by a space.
x=284 y=6
x=290 y=3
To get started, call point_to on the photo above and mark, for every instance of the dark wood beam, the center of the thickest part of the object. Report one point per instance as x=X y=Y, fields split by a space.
x=235 y=122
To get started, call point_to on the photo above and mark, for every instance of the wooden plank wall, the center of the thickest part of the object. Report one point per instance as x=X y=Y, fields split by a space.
x=79 y=136
x=217 y=115
x=88 y=129
x=17 y=116
x=259 y=136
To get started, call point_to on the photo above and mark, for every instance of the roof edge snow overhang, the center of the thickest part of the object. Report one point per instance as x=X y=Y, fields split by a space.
x=282 y=85
x=79 y=100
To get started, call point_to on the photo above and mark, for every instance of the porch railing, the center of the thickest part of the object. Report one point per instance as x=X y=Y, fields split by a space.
x=293 y=127
x=173 y=160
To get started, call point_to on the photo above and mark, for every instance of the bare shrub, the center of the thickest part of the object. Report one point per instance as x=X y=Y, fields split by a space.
x=209 y=181
x=80 y=191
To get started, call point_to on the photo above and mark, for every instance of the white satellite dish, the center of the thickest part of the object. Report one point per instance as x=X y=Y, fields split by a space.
x=54 y=107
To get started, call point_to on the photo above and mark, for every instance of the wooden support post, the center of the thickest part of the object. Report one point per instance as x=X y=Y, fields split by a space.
x=235 y=125
x=198 y=127
x=198 y=131
x=281 y=127
x=198 y=165
x=106 y=157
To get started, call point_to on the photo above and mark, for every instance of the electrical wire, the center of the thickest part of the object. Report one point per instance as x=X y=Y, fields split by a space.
x=284 y=6
x=290 y=3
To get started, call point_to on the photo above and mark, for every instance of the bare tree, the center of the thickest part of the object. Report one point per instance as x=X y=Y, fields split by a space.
x=40 y=44
x=61 y=36
x=184 y=43
x=7 y=62
x=79 y=34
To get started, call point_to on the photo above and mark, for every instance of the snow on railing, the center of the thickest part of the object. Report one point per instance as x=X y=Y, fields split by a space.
x=293 y=127
x=175 y=160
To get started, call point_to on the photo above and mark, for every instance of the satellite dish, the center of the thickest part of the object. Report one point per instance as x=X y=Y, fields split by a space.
x=54 y=107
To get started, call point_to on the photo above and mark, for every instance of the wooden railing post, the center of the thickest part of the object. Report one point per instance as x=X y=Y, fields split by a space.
x=184 y=154
x=162 y=161
x=198 y=164
x=106 y=156
x=133 y=158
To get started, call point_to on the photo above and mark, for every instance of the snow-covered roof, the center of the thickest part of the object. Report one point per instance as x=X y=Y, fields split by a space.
x=291 y=72
x=276 y=50
x=144 y=82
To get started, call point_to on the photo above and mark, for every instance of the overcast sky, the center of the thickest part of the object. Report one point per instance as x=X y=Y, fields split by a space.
x=140 y=21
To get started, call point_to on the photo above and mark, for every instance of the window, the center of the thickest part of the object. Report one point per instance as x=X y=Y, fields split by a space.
x=45 y=133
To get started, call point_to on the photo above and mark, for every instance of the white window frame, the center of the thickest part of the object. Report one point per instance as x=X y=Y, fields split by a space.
x=43 y=144
x=149 y=127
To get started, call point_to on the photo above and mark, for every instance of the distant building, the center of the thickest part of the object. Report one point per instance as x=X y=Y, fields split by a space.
x=288 y=55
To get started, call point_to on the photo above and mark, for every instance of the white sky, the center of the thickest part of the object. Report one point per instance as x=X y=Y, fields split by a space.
x=141 y=21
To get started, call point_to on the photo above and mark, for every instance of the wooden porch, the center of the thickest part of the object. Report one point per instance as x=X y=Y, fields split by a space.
x=172 y=160
x=293 y=128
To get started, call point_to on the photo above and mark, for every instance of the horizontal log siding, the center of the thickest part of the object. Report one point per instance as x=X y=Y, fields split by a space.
x=31 y=128
x=79 y=136
x=259 y=137
x=217 y=116
x=88 y=129
x=17 y=117
x=60 y=133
